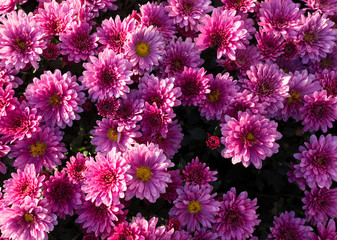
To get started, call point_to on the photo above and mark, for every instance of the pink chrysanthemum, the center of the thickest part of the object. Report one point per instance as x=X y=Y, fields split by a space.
x=107 y=136
x=180 y=54
x=21 y=42
x=22 y=184
x=51 y=52
x=28 y=221
x=145 y=49
x=222 y=90
x=328 y=233
x=106 y=178
x=287 y=225
x=62 y=195
x=7 y=76
x=290 y=49
x=319 y=204
x=269 y=44
x=279 y=16
x=98 y=6
x=236 y=218
x=249 y=139
x=77 y=43
x=43 y=149
x=196 y=173
x=154 y=14
x=55 y=18
x=294 y=175
x=7 y=6
x=107 y=106
x=173 y=223
x=99 y=220
x=113 y=33
x=270 y=84
x=318 y=161
x=319 y=111
x=225 y=29
x=195 y=207
x=19 y=123
x=4 y=149
x=194 y=85
x=7 y=100
x=106 y=76
x=188 y=14
x=161 y=91
x=204 y=234
x=328 y=7
x=316 y=37
x=57 y=98
x=126 y=231
x=171 y=191
x=329 y=62
x=240 y=6
x=300 y=84
x=75 y=168
x=328 y=80
x=149 y=172
x=181 y=235
x=290 y=65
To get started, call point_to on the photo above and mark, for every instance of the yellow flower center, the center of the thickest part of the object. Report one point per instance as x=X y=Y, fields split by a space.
x=29 y=218
x=177 y=63
x=142 y=49
x=21 y=44
x=214 y=96
x=294 y=97
x=37 y=149
x=113 y=135
x=194 y=207
x=250 y=136
x=55 y=100
x=309 y=36
x=144 y=173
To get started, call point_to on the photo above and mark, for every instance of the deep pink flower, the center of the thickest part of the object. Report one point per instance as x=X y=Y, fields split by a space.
x=328 y=7
x=245 y=58
x=241 y=6
x=213 y=142
x=107 y=106
x=51 y=52
x=204 y=234
x=7 y=100
x=328 y=80
x=171 y=191
x=126 y=231
x=7 y=6
x=328 y=233
x=4 y=149
x=270 y=45
x=7 y=75
x=75 y=168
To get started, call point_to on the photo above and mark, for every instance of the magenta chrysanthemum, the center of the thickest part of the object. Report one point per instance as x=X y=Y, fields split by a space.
x=75 y=168
x=287 y=225
x=222 y=90
x=145 y=49
x=126 y=231
x=51 y=52
x=22 y=184
x=269 y=44
x=107 y=75
x=194 y=85
x=107 y=106
x=21 y=42
x=328 y=7
x=28 y=221
x=325 y=233
x=43 y=149
x=196 y=173
x=4 y=149
x=149 y=172
x=77 y=43
x=7 y=100
x=319 y=111
x=106 y=178
x=62 y=195
x=204 y=234
x=249 y=139
x=328 y=80
x=195 y=207
x=7 y=76
x=240 y=6
x=225 y=29
x=171 y=191
x=236 y=218
x=245 y=58
x=57 y=98
x=318 y=161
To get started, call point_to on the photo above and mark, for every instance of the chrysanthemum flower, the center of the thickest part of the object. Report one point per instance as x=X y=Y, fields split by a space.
x=181 y=235
x=279 y=16
x=145 y=49
x=7 y=100
x=290 y=65
x=62 y=195
x=187 y=14
x=96 y=7
x=77 y=43
x=249 y=139
x=319 y=204
x=316 y=37
x=269 y=44
x=4 y=149
x=28 y=221
x=213 y=141
x=294 y=175
x=290 y=49
x=99 y=220
x=329 y=62
x=51 y=52
x=19 y=123
x=194 y=85
x=149 y=172
x=224 y=29
x=171 y=191
x=180 y=54
x=204 y=234
x=75 y=168
x=328 y=7
x=318 y=164
x=154 y=14
x=107 y=136
x=196 y=173
x=173 y=223
x=7 y=6
x=300 y=84
x=195 y=207
x=43 y=149
x=22 y=184
x=21 y=42
x=222 y=90
x=126 y=231
x=287 y=225
x=106 y=178
x=328 y=233
x=7 y=75
x=113 y=33
x=236 y=218
x=240 y=6
x=270 y=84
x=107 y=106
x=106 y=76
x=55 y=18
x=328 y=80
x=57 y=98
x=319 y=111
